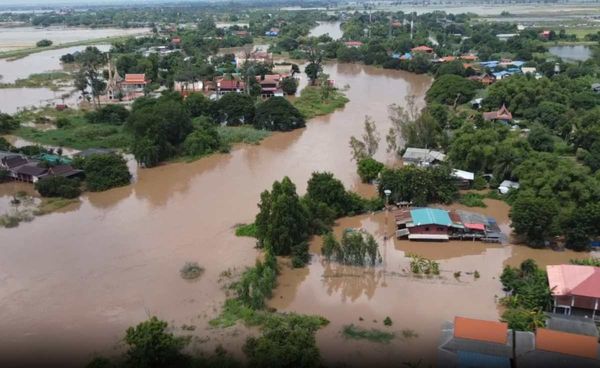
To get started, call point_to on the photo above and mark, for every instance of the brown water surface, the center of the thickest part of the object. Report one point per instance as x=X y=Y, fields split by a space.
x=71 y=283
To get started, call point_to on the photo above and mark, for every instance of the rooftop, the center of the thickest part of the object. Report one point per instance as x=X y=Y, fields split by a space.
x=566 y=343
x=427 y=216
x=480 y=330
x=574 y=280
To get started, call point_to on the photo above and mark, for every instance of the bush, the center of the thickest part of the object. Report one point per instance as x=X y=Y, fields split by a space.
x=58 y=186
x=109 y=114
x=103 y=172
x=357 y=248
x=472 y=200
x=191 y=271
x=479 y=183
x=44 y=43
x=8 y=123
x=387 y=321
x=357 y=333
x=369 y=169
x=248 y=230
x=289 y=85
x=202 y=141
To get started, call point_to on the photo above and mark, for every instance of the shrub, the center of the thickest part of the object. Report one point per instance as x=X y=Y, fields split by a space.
x=387 y=321
x=44 y=43
x=58 y=186
x=106 y=171
x=357 y=248
x=202 y=141
x=472 y=200
x=479 y=183
x=248 y=230
x=354 y=332
x=109 y=114
x=191 y=270
x=369 y=169
x=289 y=85
x=8 y=123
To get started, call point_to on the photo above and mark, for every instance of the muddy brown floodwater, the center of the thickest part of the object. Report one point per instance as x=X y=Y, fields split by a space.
x=72 y=282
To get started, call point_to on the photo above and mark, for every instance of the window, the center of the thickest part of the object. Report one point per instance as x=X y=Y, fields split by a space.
x=427 y=228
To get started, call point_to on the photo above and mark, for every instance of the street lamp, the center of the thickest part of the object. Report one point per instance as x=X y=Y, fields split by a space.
x=387 y=193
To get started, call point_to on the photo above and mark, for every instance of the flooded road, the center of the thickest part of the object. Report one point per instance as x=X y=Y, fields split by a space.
x=80 y=278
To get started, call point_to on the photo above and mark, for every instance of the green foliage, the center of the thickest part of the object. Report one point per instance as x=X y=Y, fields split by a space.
x=248 y=230
x=592 y=261
x=387 y=321
x=159 y=127
x=357 y=333
x=530 y=296
x=452 y=89
x=423 y=265
x=257 y=283
x=198 y=105
x=8 y=123
x=289 y=85
x=58 y=186
x=534 y=218
x=418 y=185
x=325 y=188
x=234 y=109
x=311 y=102
x=282 y=222
x=43 y=43
x=204 y=140
x=480 y=183
x=242 y=134
x=277 y=113
x=357 y=248
x=369 y=169
x=109 y=114
x=471 y=199
x=103 y=172
x=151 y=346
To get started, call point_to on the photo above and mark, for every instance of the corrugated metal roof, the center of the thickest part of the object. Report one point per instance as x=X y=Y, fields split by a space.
x=574 y=280
x=468 y=359
x=426 y=216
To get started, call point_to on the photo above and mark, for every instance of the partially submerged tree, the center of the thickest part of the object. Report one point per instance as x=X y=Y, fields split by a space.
x=369 y=144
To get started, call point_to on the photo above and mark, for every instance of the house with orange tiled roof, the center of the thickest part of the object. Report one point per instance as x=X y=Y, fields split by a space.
x=470 y=342
x=549 y=348
x=422 y=49
x=503 y=114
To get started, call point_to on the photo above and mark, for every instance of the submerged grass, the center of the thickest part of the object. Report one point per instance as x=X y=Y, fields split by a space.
x=311 y=104
x=49 y=205
x=241 y=134
x=248 y=230
x=472 y=200
x=358 y=333
x=51 y=80
x=79 y=134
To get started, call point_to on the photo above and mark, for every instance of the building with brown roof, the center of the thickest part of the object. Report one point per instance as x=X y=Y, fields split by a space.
x=422 y=49
x=501 y=115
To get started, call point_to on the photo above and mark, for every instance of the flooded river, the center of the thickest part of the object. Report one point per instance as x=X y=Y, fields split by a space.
x=72 y=282
x=571 y=53
x=23 y=37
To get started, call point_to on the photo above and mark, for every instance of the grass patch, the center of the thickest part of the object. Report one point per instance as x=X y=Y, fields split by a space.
x=409 y=334
x=357 y=333
x=49 y=205
x=241 y=134
x=310 y=103
x=191 y=271
x=51 y=80
x=472 y=200
x=246 y=230
x=79 y=134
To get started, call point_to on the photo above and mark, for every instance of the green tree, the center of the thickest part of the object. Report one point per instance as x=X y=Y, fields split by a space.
x=198 y=105
x=105 y=171
x=44 y=43
x=282 y=222
x=58 y=186
x=235 y=109
x=452 y=89
x=109 y=114
x=151 y=346
x=8 y=123
x=289 y=85
x=369 y=169
x=325 y=188
x=202 y=141
x=277 y=113
x=534 y=218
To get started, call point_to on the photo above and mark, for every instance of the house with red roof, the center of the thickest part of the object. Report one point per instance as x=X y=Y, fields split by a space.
x=229 y=85
x=575 y=289
x=133 y=85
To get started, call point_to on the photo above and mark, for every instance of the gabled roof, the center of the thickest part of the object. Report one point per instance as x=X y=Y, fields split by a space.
x=31 y=169
x=574 y=280
x=430 y=216
x=422 y=48
x=230 y=84
x=63 y=170
x=135 y=79
x=14 y=161
x=481 y=330
x=566 y=343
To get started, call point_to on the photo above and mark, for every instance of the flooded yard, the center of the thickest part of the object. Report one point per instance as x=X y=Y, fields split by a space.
x=571 y=53
x=331 y=28
x=114 y=260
